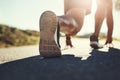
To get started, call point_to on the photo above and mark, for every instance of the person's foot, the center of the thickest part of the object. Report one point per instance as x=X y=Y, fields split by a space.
x=49 y=46
x=94 y=43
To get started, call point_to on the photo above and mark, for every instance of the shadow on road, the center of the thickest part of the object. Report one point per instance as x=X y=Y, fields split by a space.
x=99 y=66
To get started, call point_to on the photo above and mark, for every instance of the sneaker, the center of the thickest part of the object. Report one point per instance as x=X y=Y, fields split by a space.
x=94 y=43
x=49 y=46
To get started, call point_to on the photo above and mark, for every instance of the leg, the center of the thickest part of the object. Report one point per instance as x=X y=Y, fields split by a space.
x=99 y=17
x=109 y=19
x=72 y=22
x=104 y=10
x=75 y=12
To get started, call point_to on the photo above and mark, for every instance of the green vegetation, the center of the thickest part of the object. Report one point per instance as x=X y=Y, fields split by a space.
x=10 y=36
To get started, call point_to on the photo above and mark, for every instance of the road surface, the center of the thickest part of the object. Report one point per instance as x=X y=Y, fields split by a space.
x=78 y=63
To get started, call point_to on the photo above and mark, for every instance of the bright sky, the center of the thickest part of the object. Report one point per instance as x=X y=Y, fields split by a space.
x=25 y=14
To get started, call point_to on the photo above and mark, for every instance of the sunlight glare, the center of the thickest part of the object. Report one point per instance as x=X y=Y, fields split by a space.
x=94 y=6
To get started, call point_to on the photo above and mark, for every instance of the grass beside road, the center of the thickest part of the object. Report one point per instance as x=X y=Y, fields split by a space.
x=10 y=36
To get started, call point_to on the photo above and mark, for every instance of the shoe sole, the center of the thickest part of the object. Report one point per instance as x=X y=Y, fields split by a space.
x=48 y=25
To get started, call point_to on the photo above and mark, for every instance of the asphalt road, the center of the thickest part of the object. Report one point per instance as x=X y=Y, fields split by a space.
x=74 y=64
